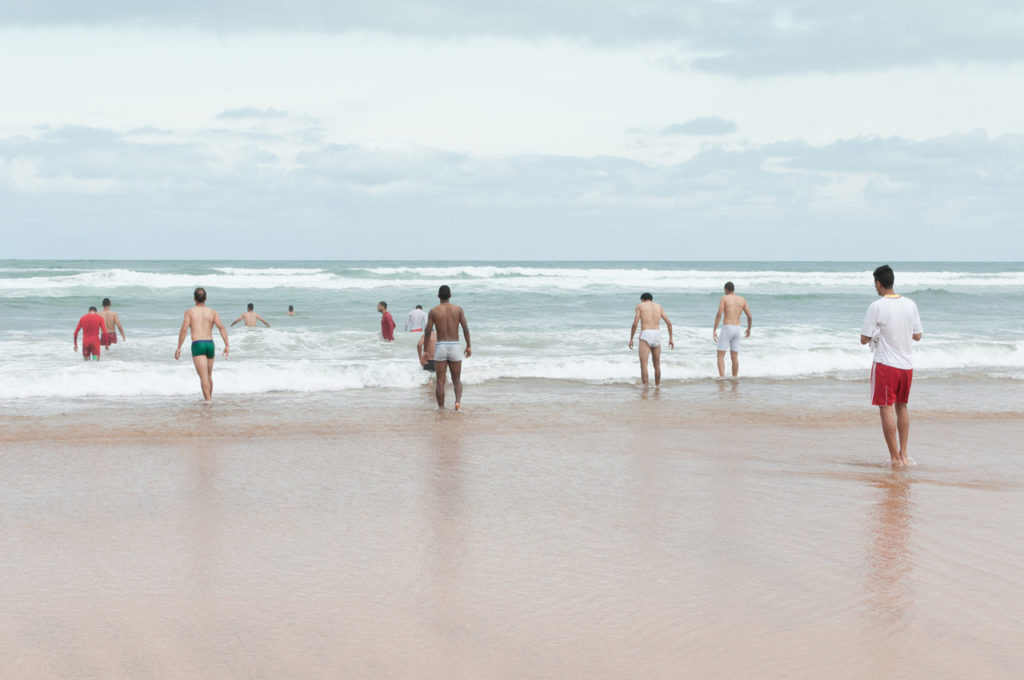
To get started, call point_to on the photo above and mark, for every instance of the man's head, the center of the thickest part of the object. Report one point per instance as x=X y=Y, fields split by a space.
x=92 y=309
x=644 y=297
x=885 y=277
x=106 y=302
x=291 y=308
x=419 y=306
x=729 y=287
x=249 y=306
x=199 y=295
x=382 y=306
x=444 y=293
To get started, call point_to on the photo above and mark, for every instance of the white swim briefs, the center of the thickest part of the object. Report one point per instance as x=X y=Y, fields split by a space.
x=729 y=338
x=651 y=337
x=448 y=350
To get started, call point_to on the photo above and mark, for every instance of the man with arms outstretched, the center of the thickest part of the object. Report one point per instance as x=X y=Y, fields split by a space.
x=730 y=307
x=201 y=320
x=649 y=315
x=891 y=326
x=250 y=317
x=446 y=318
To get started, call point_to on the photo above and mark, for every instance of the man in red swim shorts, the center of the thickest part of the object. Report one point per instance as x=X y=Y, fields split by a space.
x=91 y=326
x=891 y=326
x=111 y=319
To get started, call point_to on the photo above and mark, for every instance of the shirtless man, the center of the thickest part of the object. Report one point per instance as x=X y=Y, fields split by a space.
x=93 y=331
x=446 y=319
x=729 y=309
x=201 y=320
x=111 y=319
x=649 y=314
x=251 y=318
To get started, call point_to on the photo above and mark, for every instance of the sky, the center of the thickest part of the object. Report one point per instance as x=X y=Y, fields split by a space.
x=555 y=130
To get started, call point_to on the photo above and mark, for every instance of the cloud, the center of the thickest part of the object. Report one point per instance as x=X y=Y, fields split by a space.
x=740 y=37
x=711 y=126
x=251 y=113
x=148 y=196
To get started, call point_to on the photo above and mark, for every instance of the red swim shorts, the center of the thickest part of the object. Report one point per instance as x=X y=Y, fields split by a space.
x=91 y=348
x=109 y=339
x=890 y=385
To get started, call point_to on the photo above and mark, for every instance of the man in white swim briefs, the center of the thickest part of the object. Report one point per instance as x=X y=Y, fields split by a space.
x=649 y=315
x=446 y=318
x=730 y=307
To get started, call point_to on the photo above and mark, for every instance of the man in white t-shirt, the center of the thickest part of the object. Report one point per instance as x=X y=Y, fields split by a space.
x=891 y=326
x=417 y=319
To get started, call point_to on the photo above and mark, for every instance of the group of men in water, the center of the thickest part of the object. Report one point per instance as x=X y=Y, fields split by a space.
x=891 y=325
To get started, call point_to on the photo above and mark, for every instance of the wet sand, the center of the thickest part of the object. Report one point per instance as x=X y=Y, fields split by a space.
x=600 y=534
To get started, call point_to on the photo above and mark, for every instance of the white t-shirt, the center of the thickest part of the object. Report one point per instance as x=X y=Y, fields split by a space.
x=891 y=323
x=417 y=320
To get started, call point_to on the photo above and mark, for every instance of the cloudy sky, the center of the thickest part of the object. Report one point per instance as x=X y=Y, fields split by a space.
x=562 y=129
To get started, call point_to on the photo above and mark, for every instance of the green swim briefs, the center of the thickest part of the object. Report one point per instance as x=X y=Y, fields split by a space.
x=201 y=347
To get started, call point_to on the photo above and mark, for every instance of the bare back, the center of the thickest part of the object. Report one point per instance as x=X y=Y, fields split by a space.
x=650 y=315
x=201 y=320
x=446 y=319
x=732 y=307
x=110 y=319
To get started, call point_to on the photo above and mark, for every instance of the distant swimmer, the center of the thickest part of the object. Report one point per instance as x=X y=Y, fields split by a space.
x=387 y=323
x=891 y=326
x=111 y=319
x=291 y=310
x=446 y=318
x=417 y=318
x=649 y=315
x=250 y=317
x=425 y=349
x=730 y=307
x=201 y=320
x=94 y=329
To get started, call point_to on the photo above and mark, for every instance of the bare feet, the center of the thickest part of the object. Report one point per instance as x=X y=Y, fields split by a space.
x=458 y=406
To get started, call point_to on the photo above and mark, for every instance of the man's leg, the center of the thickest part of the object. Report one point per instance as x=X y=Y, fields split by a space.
x=439 y=372
x=209 y=374
x=903 y=428
x=735 y=356
x=645 y=351
x=456 y=368
x=202 y=368
x=888 y=414
x=721 y=363
x=656 y=358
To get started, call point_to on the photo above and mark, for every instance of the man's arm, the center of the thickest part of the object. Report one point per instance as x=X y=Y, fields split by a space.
x=263 y=320
x=181 y=336
x=429 y=325
x=117 y=322
x=668 y=324
x=865 y=339
x=632 y=330
x=103 y=327
x=237 y=320
x=223 y=331
x=465 y=331
x=916 y=337
x=75 y=336
x=718 y=317
x=750 y=319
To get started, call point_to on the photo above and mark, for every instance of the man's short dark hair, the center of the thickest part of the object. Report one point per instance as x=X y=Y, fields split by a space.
x=885 y=276
x=106 y=302
x=729 y=287
x=92 y=309
x=383 y=304
x=444 y=293
x=419 y=306
x=249 y=306
x=199 y=295
x=646 y=296
x=291 y=308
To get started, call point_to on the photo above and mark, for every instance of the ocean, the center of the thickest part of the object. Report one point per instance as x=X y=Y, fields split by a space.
x=535 y=326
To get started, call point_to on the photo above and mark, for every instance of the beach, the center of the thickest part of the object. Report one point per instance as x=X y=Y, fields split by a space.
x=550 y=530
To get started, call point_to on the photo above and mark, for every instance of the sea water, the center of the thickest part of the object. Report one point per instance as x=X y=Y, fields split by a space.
x=532 y=323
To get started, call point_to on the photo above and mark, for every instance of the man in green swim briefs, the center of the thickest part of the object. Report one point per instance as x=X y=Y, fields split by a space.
x=201 y=320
